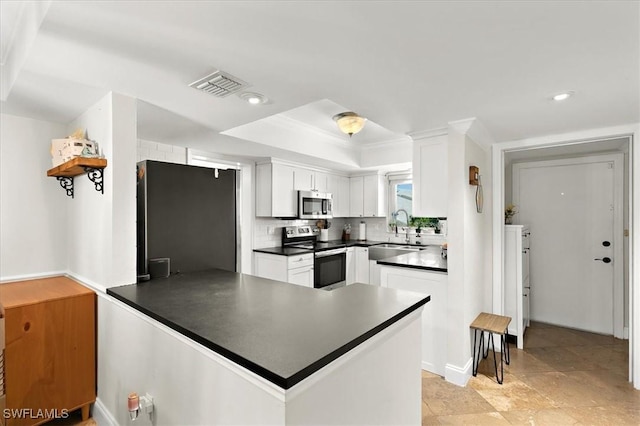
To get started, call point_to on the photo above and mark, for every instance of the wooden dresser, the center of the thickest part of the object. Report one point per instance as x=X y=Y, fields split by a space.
x=50 y=349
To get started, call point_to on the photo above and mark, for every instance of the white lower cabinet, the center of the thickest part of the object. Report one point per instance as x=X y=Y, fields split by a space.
x=350 y=274
x=374 y=272
x=434 y=315
x=291 y=269
x=301 y=276
x=362 y=264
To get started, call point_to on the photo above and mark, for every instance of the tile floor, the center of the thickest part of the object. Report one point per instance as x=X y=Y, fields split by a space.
x=562 y=377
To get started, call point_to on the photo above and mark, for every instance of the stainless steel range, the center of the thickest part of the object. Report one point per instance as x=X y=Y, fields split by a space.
x=330 y=258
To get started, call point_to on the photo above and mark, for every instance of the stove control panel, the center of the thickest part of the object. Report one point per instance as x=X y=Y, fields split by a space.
x=300 y=231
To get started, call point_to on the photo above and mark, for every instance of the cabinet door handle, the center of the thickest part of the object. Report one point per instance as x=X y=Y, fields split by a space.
x=604 y=259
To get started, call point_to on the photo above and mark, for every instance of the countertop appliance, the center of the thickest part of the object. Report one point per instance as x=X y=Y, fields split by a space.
x=188 y=214
x=314 y=205
x=330 y=258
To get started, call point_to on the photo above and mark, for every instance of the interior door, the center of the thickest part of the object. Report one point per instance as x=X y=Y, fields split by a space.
x=570 y=209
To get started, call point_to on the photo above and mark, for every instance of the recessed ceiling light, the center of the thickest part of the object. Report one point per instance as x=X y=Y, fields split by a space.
x=562 y=96
x=253 y=98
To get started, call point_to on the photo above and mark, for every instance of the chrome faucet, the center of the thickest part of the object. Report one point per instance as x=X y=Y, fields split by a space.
x=407 y=239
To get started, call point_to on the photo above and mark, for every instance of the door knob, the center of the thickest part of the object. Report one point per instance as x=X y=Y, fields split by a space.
x=605 y=259
x=606 y=243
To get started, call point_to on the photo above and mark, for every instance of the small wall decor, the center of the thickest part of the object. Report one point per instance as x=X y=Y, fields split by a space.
x=476 y=180
x=474 y=173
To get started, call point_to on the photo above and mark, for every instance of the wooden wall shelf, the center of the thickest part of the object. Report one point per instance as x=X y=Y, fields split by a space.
x=65 y=172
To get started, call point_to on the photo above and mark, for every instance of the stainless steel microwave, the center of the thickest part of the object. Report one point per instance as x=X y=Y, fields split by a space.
x=314 y=205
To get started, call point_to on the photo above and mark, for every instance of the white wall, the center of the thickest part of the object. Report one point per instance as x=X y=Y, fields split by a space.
x=469 y=244
x=190 y=384
x=477 y=241
x=101 y=238
x=33 y=207
x=386 y=154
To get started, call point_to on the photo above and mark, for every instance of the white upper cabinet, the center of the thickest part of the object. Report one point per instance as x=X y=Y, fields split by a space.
x=430 y=181
x=368 y=196
x=309 y=180
x=375 y=200
x=303 y=179
x=277 y=186
x=339 y=188
x=356 y=207
x=321 y=182
x=276 y=195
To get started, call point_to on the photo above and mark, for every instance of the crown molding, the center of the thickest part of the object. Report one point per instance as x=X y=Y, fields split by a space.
x=386 y=142
x=475 y=130
x=430 y=133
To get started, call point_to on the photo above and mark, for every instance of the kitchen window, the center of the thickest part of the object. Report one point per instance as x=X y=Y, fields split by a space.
x=400 y=197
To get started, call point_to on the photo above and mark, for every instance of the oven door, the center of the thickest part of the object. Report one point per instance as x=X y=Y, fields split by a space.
x=330 y=268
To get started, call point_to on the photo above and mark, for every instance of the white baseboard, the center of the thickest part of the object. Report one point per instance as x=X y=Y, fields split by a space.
x=26 y=277
x=457 y=375
x=431 y=368
x=101 y=415
x=625 y=333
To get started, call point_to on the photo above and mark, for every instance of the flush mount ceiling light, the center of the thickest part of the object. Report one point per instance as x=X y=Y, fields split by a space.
x=562 y=96
x=349 y=122
x=253 y=98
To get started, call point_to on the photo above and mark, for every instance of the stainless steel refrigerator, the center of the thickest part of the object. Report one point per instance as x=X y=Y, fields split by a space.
x=187 y=214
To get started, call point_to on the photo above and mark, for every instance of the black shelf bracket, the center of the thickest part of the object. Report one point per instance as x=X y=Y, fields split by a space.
x=97 y=177
x=67 y=184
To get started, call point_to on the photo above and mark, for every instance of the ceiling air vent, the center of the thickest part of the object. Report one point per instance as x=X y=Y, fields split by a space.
x=219 y=84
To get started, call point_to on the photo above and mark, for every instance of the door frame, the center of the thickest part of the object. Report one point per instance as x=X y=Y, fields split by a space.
x=497 y=164
x=618 y=253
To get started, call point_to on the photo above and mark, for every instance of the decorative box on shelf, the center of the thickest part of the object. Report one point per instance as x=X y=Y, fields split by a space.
x=63 y=150
x=66 y=171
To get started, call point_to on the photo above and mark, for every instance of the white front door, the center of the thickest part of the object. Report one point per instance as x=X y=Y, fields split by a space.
x=570 y=207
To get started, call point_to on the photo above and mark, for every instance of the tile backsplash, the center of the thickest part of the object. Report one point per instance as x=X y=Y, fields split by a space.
x=268 y=231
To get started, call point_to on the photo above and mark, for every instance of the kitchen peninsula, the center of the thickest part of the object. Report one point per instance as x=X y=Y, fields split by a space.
x=285 y=354
x=424 y=272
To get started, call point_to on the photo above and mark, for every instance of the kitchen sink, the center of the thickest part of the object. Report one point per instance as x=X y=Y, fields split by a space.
x=399 y=246
x=384 y=251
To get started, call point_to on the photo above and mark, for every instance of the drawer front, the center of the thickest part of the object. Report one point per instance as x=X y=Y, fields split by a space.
x=299 y=261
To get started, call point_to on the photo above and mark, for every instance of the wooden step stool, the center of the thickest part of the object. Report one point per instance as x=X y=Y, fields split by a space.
x=494 y=324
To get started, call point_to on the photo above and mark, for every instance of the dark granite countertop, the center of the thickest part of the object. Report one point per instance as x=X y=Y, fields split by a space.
x=429 y=259
x=283 y=251
x=289 y=251
x=282 y=332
